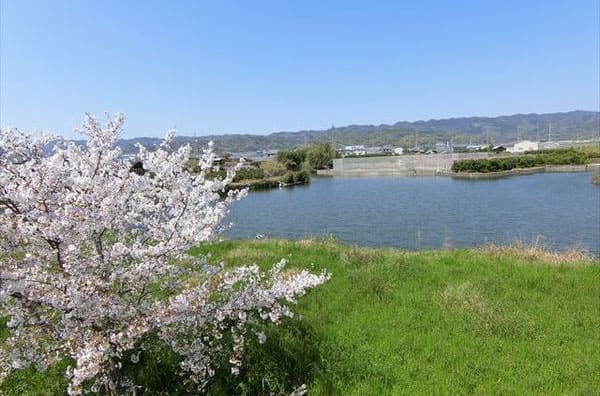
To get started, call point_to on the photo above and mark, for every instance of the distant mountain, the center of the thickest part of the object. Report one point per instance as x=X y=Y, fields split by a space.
x=495 y=130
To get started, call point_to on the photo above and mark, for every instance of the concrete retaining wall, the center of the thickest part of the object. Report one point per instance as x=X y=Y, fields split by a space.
x=404 y=165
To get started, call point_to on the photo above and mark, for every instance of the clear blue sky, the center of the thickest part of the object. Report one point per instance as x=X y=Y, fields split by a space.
x=265 y=66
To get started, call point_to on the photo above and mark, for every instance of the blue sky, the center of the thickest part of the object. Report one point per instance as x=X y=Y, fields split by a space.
x=266 y=66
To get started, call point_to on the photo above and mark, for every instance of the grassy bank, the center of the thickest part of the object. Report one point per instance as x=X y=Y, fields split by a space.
x=523 y=171
x=487 y=321
x=571 y=156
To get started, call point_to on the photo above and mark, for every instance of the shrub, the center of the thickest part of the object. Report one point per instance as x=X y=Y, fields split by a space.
x=302 y=177
x=273 y=168
x=292 y=159
x=249 y=174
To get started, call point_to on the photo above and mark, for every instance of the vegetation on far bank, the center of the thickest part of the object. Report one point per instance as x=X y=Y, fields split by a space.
x=288 y=168
x=495 y=320
x=568 y=156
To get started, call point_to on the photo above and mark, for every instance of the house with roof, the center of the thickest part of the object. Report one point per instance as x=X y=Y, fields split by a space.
x=523 y=146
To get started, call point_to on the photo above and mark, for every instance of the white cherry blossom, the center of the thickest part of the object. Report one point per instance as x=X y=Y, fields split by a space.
x=85 y=243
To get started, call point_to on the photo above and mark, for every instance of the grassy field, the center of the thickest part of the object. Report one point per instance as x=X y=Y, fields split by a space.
x=487 y=321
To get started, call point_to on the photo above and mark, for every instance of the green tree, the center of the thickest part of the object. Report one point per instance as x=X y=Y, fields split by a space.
x=320 y=156
x=292 y=159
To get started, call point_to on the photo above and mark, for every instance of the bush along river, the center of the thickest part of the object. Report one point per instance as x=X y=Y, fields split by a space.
x=555 y=210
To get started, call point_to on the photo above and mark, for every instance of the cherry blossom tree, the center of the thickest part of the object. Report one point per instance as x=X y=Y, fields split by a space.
x=93 y=258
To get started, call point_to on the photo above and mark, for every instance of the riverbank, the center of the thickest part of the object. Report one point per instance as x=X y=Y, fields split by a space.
x=514 y=320
x=498 y=165
x=270 y=182
x=522 y=171
x=569 y=159
x=472 y=175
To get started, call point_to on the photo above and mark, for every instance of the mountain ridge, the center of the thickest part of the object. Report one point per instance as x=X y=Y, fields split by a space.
x=576 y=124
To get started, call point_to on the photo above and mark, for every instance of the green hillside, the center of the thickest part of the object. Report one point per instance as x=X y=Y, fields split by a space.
x=569 y=125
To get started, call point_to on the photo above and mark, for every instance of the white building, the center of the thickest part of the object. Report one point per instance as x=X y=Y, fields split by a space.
x=398 y=151
x=354 y=150
x=522 y=146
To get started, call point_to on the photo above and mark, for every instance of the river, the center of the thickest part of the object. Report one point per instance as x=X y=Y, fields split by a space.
x=556 y=210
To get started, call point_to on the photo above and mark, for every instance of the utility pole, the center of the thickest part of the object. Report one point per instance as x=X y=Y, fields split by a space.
x=332 y=141
x=416 y=139
x=549 y=131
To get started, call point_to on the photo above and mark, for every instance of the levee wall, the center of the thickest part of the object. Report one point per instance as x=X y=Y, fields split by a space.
x=404 y=165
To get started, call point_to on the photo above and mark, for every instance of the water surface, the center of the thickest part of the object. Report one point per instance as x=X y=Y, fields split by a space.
x=558 y=210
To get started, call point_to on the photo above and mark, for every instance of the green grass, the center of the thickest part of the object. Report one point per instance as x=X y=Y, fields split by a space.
x=439 y=322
